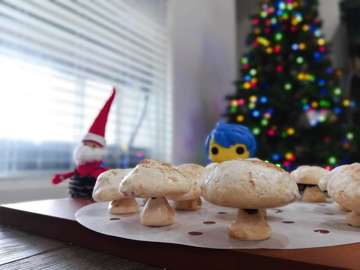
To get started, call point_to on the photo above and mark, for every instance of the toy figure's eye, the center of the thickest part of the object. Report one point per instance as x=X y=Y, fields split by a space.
x=214 y=150
x=240 y=150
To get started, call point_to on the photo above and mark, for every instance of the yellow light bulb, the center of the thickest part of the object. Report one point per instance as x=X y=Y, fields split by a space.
x=289 y=156
x=240 y=118
x=321 y=42
x=302 y=46
x=253 y=99
x=290 y=131
x=346 y=102
x=263 y=41
x=247 y=85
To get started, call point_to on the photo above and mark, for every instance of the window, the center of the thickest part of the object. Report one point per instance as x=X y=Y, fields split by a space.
x=59 y=60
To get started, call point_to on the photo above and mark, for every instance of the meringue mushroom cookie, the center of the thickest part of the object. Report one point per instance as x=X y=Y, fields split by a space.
x=323 y=183
x=107 y=185
x=326 y=178
x=155 y=180
x=190 y=200
x=344 y=188
x=152 y=178
x=308 y=178
x=251 y=186
x=107 y=190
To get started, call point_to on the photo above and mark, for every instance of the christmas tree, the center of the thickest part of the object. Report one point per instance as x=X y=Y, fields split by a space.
x=288 y=93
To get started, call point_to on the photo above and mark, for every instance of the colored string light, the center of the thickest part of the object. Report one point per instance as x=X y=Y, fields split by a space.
x=350 y=136
x=263 y=99
x=332 y=160
x=263 y=41
x=346 y=102
x=253 y=98
x=299 y=60
x=290 y=131
x=256 y=131
x=264 y=122
x=276 y=156
x=253 y=72
x=240 y=118
x=278 y=36
x=287 y=86
x=302 y=46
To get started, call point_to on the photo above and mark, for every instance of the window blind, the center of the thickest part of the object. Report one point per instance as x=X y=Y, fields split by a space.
x=59 y=60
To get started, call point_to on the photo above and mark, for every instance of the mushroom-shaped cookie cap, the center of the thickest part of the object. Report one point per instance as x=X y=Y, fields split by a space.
x=251 y=186
x=308 y=179
x=194 y=173
x=152 y=178
x=325 y=178
x=155 y=180
x=344 y=188
x=107 y=185
x=190 y=200
x=107 y=189
x=309 y=175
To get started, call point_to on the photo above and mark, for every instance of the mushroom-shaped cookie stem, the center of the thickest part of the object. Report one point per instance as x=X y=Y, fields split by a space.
x=251 y=186
x=250 y=224
x=155 y=180
x=190 y=200
x=308 y=178
x=157 y=212
x=107 y=190
x=344 y=187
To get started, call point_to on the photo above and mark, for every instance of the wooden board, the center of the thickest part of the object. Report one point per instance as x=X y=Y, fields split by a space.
x=57 y=221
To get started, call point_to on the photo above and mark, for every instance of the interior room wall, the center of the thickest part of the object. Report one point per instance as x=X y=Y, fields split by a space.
x=205 y=34
x=204 y=66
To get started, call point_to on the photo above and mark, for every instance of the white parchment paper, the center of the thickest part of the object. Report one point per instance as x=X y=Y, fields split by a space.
x=298 y=225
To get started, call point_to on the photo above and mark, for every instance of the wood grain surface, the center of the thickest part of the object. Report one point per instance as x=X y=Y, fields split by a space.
x=15 y=245
x=22 y=251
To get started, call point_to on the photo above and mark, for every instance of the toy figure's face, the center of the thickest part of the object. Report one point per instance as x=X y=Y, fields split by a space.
x=91 y=144
x=218 y=153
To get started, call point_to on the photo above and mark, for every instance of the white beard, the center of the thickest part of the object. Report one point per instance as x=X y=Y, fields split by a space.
x=84 y=154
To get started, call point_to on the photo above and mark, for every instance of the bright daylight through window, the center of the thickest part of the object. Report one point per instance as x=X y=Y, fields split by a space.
x=58 y=63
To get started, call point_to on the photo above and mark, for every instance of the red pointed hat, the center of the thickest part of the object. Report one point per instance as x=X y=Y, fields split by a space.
x=96 y=132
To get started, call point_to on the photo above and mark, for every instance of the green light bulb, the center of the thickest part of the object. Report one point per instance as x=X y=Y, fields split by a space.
x=256 y=131
x=244 y=60
x=350 y=136
x=287 y=86
x=332 y=160
x=278 y=36
x=337 y=91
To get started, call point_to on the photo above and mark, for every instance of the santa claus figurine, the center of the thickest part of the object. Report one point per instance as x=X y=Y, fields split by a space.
x=88 y=157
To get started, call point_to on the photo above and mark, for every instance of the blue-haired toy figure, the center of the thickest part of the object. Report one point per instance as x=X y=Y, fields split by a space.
x=230 y=141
